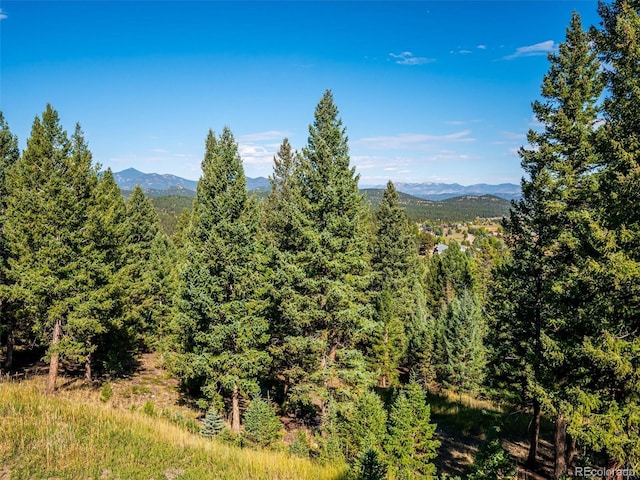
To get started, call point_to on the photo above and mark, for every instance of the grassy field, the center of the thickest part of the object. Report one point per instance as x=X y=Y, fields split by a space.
x=62 y=437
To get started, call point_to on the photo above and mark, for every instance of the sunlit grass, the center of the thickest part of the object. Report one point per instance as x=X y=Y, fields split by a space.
x=59 y=436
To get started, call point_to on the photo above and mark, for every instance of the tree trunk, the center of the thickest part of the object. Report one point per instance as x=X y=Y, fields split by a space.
x=55 y=357
x=87 y=368
x=235 y=410
x=572 y=451
x=534 y=434
x=560 y=444
x=11 y=341
x=613 y=469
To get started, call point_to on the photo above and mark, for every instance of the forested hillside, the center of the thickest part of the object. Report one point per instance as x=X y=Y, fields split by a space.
x=308 y=322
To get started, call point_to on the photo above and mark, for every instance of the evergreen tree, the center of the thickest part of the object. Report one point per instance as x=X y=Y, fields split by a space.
x=536 y=329
x=400 y=318
x=326 y=264
x=146 y=271
x=461 y=343
x=105 y=245
x=363 y=425
x=335 y=260
x=388 y=341
x=448 y=274
x=262 y=426
x=294 y=349
x=220 y=328
x=51 y=187
x=410 y=446
x=97 y=293
x=212 y=424
x=369 y=466
x=9 y=154
x=604 y=411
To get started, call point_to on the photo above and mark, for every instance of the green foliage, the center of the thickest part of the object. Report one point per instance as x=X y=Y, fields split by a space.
x=398 y=293
x=362 y=425
x=220 y=330
x=492 y=462
x=460 y=344
x=149 y=409
x=410 y=446
x=369 y=466
x=542 y=289
x=51 y=187
x=106 y=392
x=212 y=424
x=262 y=426
x=9 y=154
x=146 y=273
x=321 y=266
x=301 y=446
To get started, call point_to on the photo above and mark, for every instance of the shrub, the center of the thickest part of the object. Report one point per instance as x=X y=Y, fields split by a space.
x=106 y=392
x=261 y=424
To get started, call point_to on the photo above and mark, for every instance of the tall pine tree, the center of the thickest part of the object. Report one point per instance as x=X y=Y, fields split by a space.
x=536 y=327
x=51 y=187
x=331 y=290
x=146 y=273
x=606 y=410
x=221 y=328
x=9 y=154
x=398 y=293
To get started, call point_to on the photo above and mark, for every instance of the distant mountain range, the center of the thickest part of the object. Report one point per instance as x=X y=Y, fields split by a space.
x=443 y=191
x=155 y=184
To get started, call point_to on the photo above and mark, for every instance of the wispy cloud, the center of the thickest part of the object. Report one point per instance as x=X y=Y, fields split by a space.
x=3 y=14
x=411 y=141
x=263 y=136
x=481 y=47
x=465 y=52
x=256 y=154
x=408 y=58
x=513 y=135
x=535 y=50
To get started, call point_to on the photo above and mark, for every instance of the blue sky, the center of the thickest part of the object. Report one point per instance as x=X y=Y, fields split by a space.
x=429 y=91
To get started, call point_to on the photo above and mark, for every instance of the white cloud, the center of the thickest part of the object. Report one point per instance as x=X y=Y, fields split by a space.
x=255 y=154
x=482 y=47
x=535 y=50
x=412 y=141
x=262 y=136
x=465 y=52
x=407 y=58
x=3 y=15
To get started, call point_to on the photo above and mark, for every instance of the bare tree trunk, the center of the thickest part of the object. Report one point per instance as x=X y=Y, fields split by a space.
x=55 y=357
x=87 y=367
x=534 y=435
x=11 y=342
x=235 y=410
x=560 y=444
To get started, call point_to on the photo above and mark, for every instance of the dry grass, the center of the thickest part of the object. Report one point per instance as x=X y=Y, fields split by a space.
x=66 y=438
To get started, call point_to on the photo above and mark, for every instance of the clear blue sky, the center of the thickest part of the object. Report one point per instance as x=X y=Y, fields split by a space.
x=429 y=91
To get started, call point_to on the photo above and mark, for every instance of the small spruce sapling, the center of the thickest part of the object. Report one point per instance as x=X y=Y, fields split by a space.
x=212 y=424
